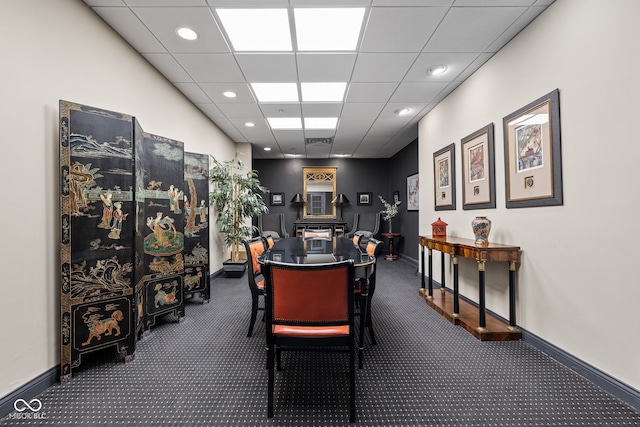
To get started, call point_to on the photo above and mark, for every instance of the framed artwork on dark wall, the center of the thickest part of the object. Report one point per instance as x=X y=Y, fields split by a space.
x=444 y=178
x=413 y=196
x=478 y=170
x=533 y=160
x=396 y=196
x=364 y=199
x=277 y=199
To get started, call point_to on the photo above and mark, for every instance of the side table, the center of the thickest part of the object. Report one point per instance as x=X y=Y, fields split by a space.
x=391 y=256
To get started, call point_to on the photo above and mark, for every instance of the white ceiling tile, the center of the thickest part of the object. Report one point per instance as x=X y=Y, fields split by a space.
x=400 y=29
x=193 y=92
x=456 y=63
x=93 y=3
x=472 y=29
x=354 y=126
x=324 y=109
x=492 y=3
x=268 y=67
x=211 y=68
x=210 y=110
x=471 y=68
x=524 y=20
x=325 y=67
x=258 y=137
x=289 y=136
x=164 y=21
x=172 y=3
x=215 y=92
x=281 y=110
x=362 y=109
x=382 y=67
x=169 y=67
x=412 y=3
x=240 y=109
x=127 y=24
x=370 y=92
x=417 y=92
x=247 y=3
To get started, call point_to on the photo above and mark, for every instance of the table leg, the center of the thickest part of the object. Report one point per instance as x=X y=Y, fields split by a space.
x=422 y=268
x=512 y=296
x=456 y=291
x=430 y=296
x=443 y=278
x=482 y=321
x=364 y=307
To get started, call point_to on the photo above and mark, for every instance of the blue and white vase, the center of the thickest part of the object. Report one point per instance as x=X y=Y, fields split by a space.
x=481 y=227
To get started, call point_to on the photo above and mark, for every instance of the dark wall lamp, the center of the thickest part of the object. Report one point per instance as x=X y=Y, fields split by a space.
x=340 y=200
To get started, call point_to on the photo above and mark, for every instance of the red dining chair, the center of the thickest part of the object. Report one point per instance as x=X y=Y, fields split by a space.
x=255 y=247
x=309 y=307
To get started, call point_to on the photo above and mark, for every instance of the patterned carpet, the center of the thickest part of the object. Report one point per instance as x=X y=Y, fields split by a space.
x=424 y=371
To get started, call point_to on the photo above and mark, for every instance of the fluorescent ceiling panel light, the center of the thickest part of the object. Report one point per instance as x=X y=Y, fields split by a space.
x=285 y=122
x=319 y=92
x=320 y=122
x=276 y=92
x=257 y=30
x=328 y=28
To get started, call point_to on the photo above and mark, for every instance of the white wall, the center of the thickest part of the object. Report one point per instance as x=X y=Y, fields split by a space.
x=577 y=282
x=52 y=50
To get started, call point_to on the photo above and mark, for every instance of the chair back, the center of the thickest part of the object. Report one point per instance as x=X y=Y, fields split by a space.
x=324 y=234
x=309 y=294
x=270 y=241
x=373 y=246
x=254 y=247
x=356 y=238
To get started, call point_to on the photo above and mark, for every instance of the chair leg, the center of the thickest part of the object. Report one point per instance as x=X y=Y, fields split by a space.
x=254 y=313
x=370 y=326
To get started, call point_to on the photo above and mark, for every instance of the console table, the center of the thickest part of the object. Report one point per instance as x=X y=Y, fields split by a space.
x=338 y=227
x=451 y=307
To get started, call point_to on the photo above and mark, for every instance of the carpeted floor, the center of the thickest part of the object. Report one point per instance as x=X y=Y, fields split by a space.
x=424 y=371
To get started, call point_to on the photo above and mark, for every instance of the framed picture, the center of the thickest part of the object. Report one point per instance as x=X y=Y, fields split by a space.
x=533 y=161
x=413 y=193
x=396 y=196
x=478 y=170
x=277 y=199
x=444 y=178
x=364 y=199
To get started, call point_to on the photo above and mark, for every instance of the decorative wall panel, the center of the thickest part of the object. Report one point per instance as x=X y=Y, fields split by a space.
x=159 y=164
x=97 y=233
x=196 y=225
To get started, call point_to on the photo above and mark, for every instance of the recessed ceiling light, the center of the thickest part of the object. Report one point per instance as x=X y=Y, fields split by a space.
x=328 y=28
x=257 y=29
x=267 y=148
x=285 y=122
x=402 y=111
x=276 y=92
x=320 y=122
x=187 y=33
x=438 y=69
x=249 y=124
x=229 y=94
x=323 y=92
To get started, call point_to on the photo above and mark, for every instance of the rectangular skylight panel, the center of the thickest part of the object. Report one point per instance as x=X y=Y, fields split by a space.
x=321 y=92
x=276 y=92
x=257 y=30
x=319 y=29
x=285 y=122
x=320 y=122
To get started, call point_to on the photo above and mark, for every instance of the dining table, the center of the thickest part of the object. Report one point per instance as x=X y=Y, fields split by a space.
x=298 y=250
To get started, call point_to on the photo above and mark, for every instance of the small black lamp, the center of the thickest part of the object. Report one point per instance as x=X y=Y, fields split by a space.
x=340 y=200
x=298 y=199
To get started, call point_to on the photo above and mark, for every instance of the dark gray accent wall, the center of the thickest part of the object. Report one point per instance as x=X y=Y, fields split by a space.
x=377 y=176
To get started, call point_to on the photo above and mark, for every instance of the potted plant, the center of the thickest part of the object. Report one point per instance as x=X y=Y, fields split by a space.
x=236 y=199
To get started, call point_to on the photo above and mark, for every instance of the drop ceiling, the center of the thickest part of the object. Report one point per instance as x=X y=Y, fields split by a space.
x=399 y=42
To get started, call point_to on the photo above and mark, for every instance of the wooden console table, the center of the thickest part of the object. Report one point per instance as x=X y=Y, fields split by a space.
x=466 y=248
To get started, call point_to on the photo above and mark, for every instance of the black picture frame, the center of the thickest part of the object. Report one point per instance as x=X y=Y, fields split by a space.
x=276 y=199
x=364 y=199
x=478 y=170
x=413 y=192
x=444 y=178
x=396 y=196
x=533 y=177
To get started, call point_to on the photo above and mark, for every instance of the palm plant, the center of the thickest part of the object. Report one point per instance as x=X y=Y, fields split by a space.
x=236 y=198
